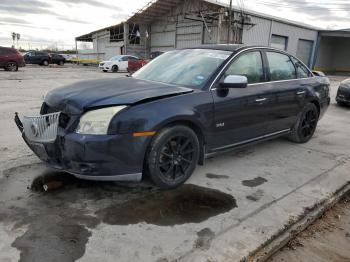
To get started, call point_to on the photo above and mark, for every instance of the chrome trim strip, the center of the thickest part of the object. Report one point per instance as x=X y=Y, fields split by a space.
x=250 y=140
x=262 y=83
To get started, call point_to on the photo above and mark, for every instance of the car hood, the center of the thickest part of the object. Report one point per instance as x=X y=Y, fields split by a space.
x=81 y=96
x=345 y=83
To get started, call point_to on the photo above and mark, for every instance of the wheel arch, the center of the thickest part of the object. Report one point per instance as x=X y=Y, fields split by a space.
x=317 y=104
x=197 y=129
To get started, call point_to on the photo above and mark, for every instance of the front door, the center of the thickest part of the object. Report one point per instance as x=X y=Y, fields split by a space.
x=240 y=114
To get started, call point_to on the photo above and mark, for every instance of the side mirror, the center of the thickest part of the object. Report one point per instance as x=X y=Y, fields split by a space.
x=318 y=73
x=234 y=81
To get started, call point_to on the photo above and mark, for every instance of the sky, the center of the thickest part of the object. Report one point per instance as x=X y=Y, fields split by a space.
x=55 y=23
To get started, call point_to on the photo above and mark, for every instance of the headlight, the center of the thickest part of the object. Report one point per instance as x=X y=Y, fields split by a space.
x=96 y=122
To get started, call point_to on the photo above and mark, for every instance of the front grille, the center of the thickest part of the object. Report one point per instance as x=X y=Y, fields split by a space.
x=41 y=129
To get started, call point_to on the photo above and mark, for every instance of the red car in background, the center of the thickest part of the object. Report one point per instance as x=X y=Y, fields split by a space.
x=10 y=59
x=135 y=64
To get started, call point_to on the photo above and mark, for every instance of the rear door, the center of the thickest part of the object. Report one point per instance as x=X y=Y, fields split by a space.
x=123 y=64
x=240 y=114
x=289 y=92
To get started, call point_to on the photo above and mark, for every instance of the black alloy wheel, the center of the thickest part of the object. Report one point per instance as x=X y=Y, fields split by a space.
x=11 y=66
x=173 y=156
x=115 y=69
x=306 y=124
x=309 y=123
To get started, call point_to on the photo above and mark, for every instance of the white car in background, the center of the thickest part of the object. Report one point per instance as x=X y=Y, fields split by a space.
x=116 y=63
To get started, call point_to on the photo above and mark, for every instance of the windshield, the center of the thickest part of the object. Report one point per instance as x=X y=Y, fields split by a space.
x=189 y=67
x=115 y=58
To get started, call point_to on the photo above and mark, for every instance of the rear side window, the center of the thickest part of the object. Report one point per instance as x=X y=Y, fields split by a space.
x=281 y=66
x=5 y=51
x=302 y=71
x=249 y=65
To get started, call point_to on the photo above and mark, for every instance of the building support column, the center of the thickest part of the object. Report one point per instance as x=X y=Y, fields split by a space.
x=221 y=18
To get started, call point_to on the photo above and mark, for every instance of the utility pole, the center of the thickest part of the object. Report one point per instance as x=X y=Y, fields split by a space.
x=229 y=23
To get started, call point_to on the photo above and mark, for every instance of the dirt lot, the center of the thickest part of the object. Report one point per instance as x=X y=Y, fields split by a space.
x=227 y=210
x=328 y=239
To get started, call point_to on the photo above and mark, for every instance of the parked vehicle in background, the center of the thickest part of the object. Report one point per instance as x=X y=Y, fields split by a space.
x=69 y=57
x=57 y=59
x=117 y=63
x=155 y=54
x=135 y=64
x=343 y=95
x=10 y=59
x=37 y=57
x=183 y=107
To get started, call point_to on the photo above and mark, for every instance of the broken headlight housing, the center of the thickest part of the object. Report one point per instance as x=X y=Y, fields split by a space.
x=96 y=122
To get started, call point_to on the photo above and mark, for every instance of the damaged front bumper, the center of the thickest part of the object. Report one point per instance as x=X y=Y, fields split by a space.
x=92 y=157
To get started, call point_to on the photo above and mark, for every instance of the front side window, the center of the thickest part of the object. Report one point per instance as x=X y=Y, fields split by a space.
x=281 y=66
x=188 y=67
x=302 y=71
x=249 y=65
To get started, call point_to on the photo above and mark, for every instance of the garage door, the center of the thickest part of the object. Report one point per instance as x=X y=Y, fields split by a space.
x=189 y=34
x=304 y=51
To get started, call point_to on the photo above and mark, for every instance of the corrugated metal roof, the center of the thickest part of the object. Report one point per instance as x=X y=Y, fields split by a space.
x=158 y=8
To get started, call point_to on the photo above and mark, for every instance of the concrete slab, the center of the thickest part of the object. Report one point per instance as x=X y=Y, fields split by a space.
x=266 y=188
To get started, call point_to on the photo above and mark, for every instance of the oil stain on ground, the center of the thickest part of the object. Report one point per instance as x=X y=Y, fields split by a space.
x=57 y=224
x=186 y=204
x=205 y=236
x=256 y=196
x=254 y=182
x=215 y=176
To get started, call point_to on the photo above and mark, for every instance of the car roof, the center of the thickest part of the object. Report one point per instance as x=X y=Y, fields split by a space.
x=233 y=47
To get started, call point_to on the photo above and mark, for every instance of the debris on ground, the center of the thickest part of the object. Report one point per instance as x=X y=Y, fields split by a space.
x=327 y=239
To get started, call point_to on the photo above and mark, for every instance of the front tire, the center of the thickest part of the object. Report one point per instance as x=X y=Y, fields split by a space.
x=173 y=156
x=45 y=63
x=306 y=125
x=61 y=63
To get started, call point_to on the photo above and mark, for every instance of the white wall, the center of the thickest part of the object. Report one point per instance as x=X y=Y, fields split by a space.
x=104 y=47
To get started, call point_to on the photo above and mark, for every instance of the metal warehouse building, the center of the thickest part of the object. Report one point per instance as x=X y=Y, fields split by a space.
x=163 y=25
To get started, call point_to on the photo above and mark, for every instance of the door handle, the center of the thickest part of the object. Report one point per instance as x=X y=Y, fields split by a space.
x=261 y=99
x=301 y=93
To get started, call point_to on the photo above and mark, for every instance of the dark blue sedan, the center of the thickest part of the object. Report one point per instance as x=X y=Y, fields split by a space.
x=184 y=106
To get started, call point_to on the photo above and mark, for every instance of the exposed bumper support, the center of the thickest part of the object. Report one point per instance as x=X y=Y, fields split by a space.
x=90 y=157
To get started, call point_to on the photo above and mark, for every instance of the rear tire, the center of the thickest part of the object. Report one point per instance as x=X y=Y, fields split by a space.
x=105 y=71
x=305 y=127
x=11 y=66
x=115 y=69
x=340 y=103
x=45 y=63
x=173 y=156
x=61 y=63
